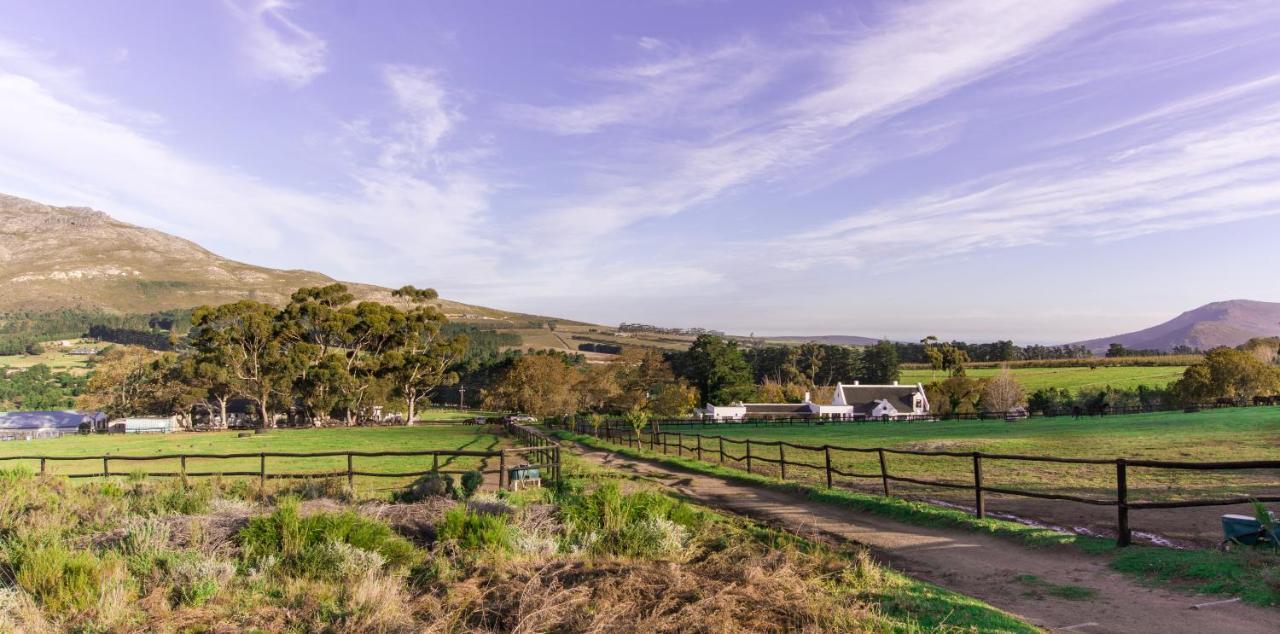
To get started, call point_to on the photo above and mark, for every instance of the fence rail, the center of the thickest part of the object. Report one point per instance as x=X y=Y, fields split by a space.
x=676 y=442
x=540 y=452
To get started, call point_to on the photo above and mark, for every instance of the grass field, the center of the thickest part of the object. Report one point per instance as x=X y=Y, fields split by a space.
x=1072 y=378
x=452 y=414
x=423 y=438
x=55 y=358
x=1229 y=434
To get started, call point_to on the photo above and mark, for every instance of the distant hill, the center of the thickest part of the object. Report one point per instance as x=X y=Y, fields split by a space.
x=834 y=340
x=74 y=257
x=1228 y=323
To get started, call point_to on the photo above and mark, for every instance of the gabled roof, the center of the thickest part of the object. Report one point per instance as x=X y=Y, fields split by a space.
x=863 y=397
x=57 y=419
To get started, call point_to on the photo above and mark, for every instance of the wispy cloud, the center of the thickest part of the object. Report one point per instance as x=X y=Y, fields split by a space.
x=1205 y=175
x=276 y=47
x=915 y=55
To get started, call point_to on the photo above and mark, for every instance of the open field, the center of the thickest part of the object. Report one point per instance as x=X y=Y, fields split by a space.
x=55 y=358
x=452 y=414
x=418 y=438
x=1071 y=378
x=1231 y=434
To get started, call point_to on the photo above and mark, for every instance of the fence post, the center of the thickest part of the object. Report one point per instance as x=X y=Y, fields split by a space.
x=435 y=462
x=748 y=455
x=42 y=469
x=699 y=437
x=826 y=449
x=105 y=470
x=1123 y=536
x=556 y=454
x=182 y=464
x=721 y=442
x=262 y=470
x=884 y=472
x=979 y=505
x=502 y=469
x=351 y=475
x=680 y=443
x=782 y=460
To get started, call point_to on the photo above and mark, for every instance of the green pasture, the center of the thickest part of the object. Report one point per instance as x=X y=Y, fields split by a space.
x=452 y=414
x=1071 y=378
x=417 y=438
x=1227 y=434
x=56 y=358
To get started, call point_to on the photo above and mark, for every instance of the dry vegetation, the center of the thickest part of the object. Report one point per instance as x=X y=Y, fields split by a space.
x=222 y=556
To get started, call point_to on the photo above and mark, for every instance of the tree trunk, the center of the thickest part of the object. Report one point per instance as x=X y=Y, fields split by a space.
x=266 y=416
x=222 y=410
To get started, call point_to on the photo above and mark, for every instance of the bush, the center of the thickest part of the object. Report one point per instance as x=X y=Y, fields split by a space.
x=431 y=485
x=644 y=524
x=471 y=482
x=303 y=544
x=476 y=531
x=196 y=580
x=63 y=581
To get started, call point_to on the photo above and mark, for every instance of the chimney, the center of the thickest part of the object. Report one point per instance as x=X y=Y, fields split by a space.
x=857 y=382
x=806 y=397
x=895 y=382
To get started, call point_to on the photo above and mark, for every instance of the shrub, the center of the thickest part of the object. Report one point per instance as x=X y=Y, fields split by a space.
x=196 y=580
x=301 y=544
x=476 y=531
x=471 y=482
x=642 y=524
x=431 y=485
x=65 y=582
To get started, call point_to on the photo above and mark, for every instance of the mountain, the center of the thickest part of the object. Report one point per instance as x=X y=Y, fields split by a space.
x=834 y=340
x=75 y=257
x=1228 y=323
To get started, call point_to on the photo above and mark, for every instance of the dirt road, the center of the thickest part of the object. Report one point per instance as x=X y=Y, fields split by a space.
x=976 y=565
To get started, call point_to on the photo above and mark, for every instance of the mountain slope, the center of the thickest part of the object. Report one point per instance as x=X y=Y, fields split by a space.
x=1228 y=323
x=834 y=340
x=75 y=257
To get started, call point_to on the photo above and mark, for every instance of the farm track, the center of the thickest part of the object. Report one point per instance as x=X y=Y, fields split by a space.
x=976 y=565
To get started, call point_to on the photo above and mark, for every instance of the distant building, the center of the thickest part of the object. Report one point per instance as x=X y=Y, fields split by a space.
x=849 y=402
x=50 y=423
x=878 y=401
x=140 y=425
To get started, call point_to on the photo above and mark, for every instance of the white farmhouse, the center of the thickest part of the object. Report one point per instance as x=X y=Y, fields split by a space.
x=878 y=401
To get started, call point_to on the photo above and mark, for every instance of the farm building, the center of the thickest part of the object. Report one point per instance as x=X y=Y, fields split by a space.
x=849 y=401
x=50 y=423
x=878 y=401
x=143 y=425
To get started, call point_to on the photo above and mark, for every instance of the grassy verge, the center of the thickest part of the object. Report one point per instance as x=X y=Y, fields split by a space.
x=594 y=554
x=1253 y=575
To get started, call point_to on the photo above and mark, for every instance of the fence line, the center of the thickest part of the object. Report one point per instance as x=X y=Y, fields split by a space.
x=663 y=441
x=542 y=453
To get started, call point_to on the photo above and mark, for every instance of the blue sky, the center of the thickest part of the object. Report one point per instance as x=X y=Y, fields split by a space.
x=974 y=169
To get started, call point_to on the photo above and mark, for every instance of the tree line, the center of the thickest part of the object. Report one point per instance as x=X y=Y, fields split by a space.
x=321 y=357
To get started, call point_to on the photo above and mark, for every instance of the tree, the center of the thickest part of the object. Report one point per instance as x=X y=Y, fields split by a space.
x=719 y=370
x=423 y=357
x=955 y=395
x=637 y=419
x=537 y=384
x=880 y=363
x=674 y=400
x=1003 y=393
x=129 y=380
x=244 y=336
x=35 y=348
x=1226 y=373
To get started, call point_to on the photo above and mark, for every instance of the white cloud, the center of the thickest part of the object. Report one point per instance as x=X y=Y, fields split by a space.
x=426 y=115
x=277 y=48
x=1202 y=176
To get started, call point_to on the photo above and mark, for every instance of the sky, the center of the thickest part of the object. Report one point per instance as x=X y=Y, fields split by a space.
x=973 y=169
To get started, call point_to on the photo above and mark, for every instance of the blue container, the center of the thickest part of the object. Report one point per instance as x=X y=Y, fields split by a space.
x=522 y=473
x=1244 y=529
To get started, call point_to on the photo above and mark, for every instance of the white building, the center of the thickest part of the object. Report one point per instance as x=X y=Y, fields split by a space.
x=878 y=401
x=849 y=401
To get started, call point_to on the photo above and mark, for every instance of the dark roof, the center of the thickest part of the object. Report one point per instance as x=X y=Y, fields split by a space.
x=776 y=408
x=47 y=419
x=863 y=397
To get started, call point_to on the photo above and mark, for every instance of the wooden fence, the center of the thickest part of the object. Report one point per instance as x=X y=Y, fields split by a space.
x=540 y=452
x=708 y=448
